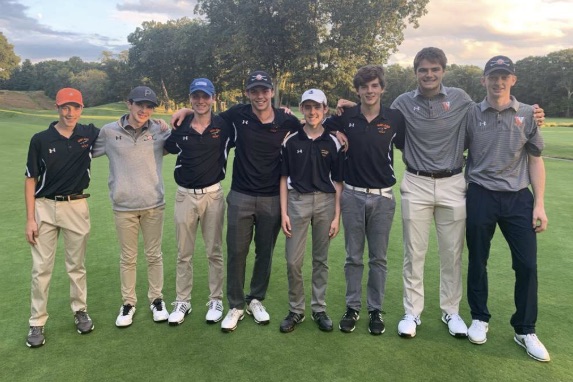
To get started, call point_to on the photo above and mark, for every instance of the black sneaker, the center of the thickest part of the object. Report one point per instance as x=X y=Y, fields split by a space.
x=291 y=321
x=84 y=323
x=376 y=325
x=323 y=321
x=348 y=320
x=35 y=337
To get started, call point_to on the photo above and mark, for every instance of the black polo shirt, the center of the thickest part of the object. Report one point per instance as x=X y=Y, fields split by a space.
x=310 y=164
x=62 y=165
x=201 y=158
x=256 y=168
x=370 y=157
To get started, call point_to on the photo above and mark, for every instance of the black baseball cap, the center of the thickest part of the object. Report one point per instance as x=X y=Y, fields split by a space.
x=259 y=78
x=143 y=93
x=502 y=63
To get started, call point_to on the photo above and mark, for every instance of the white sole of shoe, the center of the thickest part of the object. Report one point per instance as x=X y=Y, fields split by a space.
x=477 y=342
x=528 y=353
x=229 y=330
x=453 y=334
x=257 y=321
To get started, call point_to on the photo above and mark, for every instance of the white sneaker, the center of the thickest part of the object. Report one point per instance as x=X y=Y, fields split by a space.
x=407 y=326
x=533 y=346
x=231 y=319
x=477 y=332
x=125 y=317
x=456 y=326
x=215 y=312
x=258 y=311
x=180 y=310
x=159 y=310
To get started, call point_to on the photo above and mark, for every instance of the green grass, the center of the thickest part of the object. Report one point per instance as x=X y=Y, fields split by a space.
x=196 y=351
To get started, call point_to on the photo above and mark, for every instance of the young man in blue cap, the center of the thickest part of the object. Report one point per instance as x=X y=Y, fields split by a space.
x=504 y=159
x=253 y=204
x=57 y=173
x=202 y=143
x=310 y=188
x=134 y=146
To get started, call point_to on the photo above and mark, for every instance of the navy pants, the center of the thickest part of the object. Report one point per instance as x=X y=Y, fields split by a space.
x=513 y=212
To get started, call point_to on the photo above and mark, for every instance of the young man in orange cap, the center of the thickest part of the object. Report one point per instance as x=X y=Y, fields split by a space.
x=57 y=173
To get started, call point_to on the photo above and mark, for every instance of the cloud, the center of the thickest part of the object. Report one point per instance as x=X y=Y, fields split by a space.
x=471 y=31
x=167 y=9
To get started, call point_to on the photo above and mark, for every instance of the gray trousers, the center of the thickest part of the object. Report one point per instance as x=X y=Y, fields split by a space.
x=366 y=216
x=247 y=216
x=304 y=209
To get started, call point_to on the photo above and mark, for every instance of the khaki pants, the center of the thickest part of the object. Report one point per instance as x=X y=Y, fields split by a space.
x=191 y=210
x=72 y=218
x=128 y=224
x=443 y=200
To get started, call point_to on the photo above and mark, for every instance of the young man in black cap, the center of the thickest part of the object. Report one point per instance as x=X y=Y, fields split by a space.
x=253 y=205
x=57 y=173
x=504 y=158
x=134 y=146
x=310 y=188
x=202 y=143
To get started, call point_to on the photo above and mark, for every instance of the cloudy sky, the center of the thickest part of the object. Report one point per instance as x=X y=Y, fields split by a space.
x=469 y=31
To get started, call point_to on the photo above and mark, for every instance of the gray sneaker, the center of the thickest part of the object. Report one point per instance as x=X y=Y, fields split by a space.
x=84 y=323
x=35 y=337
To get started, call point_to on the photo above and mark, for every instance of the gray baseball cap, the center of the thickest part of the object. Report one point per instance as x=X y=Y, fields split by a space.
x=143 y=93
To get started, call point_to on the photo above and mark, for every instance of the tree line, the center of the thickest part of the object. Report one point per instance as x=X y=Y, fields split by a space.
x=302 y=43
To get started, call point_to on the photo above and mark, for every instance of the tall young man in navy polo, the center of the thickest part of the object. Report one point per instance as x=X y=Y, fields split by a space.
x=202 y=143
x=368 y=202
x=310 y=186
x=504 y=159
x=134 y=147
x=57 y=173
x=253 y=206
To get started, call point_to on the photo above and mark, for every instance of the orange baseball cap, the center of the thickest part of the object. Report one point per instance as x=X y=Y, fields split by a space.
x=69 y=95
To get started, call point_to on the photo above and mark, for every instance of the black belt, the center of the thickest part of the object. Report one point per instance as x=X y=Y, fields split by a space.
x=437 y=174
x=66 y=198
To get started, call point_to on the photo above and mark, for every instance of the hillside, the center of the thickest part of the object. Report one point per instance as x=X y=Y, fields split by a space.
x=32 y=100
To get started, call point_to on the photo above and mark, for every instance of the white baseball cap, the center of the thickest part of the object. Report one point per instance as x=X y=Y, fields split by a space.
x=314 y=95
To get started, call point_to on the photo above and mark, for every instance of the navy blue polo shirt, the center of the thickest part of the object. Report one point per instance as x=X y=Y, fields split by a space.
x=62 y=165
x=201 y=158
x=256 y=168
x=369 y=160
x=310 y=164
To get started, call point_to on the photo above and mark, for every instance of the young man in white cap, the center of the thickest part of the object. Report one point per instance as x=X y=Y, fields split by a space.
x=202 y=144
x=57 y=173
x=134 y=146
x=310 y=188
x=504 y=159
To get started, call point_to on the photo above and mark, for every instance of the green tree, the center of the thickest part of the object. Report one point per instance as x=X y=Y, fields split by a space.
x=8 y=59
x=93 y=84
x=467 y=77
x=307 y=42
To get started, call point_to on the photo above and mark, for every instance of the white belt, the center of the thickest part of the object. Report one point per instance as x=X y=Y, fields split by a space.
x=386 y=192
x=211 y=188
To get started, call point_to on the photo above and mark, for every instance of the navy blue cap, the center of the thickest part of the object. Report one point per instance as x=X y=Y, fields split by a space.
x=502 y=63
x=202 y=84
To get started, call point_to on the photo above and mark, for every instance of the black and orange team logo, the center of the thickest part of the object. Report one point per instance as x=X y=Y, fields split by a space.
x=215 y=133
x=149 y=137
x=324 y=153
x=382 y=127
x=83 y=142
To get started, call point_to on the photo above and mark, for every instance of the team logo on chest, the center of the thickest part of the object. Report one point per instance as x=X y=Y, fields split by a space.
x=215 y=133
x=83 y=142
x=446 y=106
x=518 y=121
x=148 y=137
x=324 y=153
x=382 y=127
